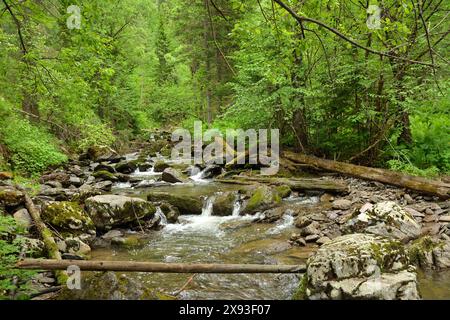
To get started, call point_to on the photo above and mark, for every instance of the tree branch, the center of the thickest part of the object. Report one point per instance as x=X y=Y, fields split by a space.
x=344 y=37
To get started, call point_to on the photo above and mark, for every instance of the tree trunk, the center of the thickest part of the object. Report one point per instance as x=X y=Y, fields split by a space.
x=132 y=266
x=420 y=185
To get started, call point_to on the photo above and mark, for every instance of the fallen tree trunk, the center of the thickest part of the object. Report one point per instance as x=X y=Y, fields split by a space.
x=296 y=184
x=45 y=233
x=132 y=266
x=420 y=185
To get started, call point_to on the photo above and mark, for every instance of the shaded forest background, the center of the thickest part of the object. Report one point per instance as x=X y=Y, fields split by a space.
x=314 y=69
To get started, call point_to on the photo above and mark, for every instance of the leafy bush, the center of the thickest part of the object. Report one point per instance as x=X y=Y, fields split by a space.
x=11 y=279
x=32 y=148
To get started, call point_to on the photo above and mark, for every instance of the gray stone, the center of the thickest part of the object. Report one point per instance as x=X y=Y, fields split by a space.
x=341 y=204
x=361 y=266
x=23 y=218
x=108 y=211
x=385 y=219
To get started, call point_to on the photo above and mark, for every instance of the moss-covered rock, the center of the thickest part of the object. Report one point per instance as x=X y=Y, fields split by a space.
x=173 y=175
x=283 y=191
x=184 y=203
x=160 y=166
x=67 y=216
x=108 y=211
x=127 y=167
x=224 y=204
x=105 y=175
x=430 y=253
x=11 y=197
x=262 y=198
x=111 y=286
x=361 y=266
x=171 y=212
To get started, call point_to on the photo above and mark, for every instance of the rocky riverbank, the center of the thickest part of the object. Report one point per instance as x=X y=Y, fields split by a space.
x=366 y=239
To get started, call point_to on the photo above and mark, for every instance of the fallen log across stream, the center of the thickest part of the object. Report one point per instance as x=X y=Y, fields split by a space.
x=133 y=266
x=296 y=184
x=420 y=185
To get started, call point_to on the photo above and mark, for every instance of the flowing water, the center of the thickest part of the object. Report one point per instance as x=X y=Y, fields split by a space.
x=234 y=239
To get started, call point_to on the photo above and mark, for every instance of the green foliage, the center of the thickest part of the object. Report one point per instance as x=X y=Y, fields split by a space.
x=10 y=250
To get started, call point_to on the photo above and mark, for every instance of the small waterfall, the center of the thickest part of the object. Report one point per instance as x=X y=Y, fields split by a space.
x=285 y=222
x=236 y=208
x=208 y=207
x=162 y=216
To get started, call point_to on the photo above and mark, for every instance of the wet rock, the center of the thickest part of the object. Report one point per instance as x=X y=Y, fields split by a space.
x=311 y=229
x=428 y=252
x=262 y=198
x=105 y=175
x=385 y=219
x=144 y=167
x=23 y=218
x=160 y=166
x=67 y=216
x=112 y=234
x=184 y=203
x=172 y=175
x=271 y=215
x=341 y=204
x=283 y=191
x=103 y=186
x=110 y=286
x=104 y=167
x=360 y=266
x=126 y=167
x=211 y=171
x=73 y=246
x=126 y=241
x=11 y=197
x=224 y=204
x=302 y=221
x=171 y=212
x=108 y=211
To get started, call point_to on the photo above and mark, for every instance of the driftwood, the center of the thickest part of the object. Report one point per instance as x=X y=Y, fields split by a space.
x=46 y=235
x=420 y=185
x=132 y=266
x=296 y=184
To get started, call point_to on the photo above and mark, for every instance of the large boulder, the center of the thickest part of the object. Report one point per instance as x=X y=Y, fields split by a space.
x=108 y=211
x=111 y=286
x=224 y=204
x=184 y=203
x=11 y=197
x=127 y=167
x=430 y=253
x=262 y=198
x=160 y=166
x=67 y=217
x=360 y=266
x=386 y=219
x=172 y=175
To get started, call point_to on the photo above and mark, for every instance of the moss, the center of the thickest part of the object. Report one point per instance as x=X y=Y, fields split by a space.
x=67 y=216
x=11 y=197
x=105 y=175
x=283 y=191
x=185 y=204
x=387 y=253
x=262 y=198
x=160 y=166
x=300 y=293
x=419 y=248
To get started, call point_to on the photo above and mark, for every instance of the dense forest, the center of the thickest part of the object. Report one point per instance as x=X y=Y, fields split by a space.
x=90 y=92
x=333 y=85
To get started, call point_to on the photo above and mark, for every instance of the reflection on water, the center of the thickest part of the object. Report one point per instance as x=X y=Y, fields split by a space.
x=434 y=285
